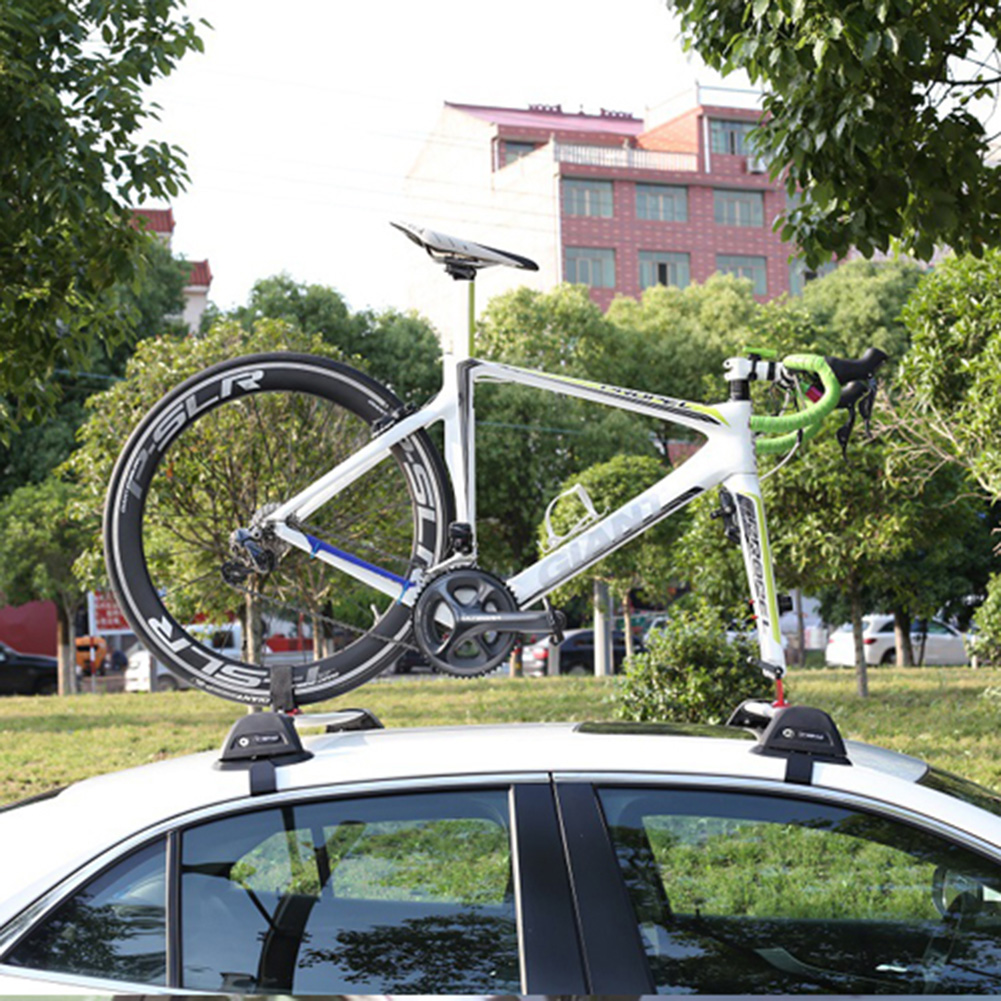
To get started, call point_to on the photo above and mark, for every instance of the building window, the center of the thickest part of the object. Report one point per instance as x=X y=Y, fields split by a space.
x=590 y=266
x=742 y=266
x=730 y=137
x=800 y=274
x=661 y=202
x=662 y=267
x=739 y=208
x=590 y=198
x=512 y=151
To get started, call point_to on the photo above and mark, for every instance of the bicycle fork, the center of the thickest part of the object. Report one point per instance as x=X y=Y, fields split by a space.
x=744 y=509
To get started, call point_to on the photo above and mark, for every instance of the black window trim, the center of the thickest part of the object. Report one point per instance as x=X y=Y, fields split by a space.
x=614 y=954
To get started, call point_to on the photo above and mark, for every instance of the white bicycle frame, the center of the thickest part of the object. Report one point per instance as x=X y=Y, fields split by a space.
x=726 y=458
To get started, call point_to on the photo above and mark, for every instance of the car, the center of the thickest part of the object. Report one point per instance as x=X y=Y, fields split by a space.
x=941 y=644
x=573 y=655
x=144 y=673
x=766 y=856
x=27 y=673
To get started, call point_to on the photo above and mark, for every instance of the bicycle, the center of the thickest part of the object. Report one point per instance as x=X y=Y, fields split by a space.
x=298 y=495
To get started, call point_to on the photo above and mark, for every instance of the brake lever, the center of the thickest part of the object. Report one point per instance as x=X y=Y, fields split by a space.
x=845 y=431
x=863 y=396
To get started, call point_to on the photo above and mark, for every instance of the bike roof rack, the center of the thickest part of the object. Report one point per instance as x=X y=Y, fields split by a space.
x=800 y=734
x=261 y=742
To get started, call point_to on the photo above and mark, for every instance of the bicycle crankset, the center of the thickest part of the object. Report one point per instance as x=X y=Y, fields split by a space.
x=466 y=622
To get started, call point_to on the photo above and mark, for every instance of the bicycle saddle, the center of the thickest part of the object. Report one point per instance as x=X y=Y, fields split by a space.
x=456 y=253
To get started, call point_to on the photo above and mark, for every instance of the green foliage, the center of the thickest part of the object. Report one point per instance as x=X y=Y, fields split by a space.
x=987 y=642
x=158 y=366
x=529 y=442
x=42 y=529
x=36 y=448
x=950 y=404
x=858 y=306
x=690 y=672
x=674 y=341
x=645 y=564
x=399 y=349
x=867 y=113
x=560 y=331
x=72 y=80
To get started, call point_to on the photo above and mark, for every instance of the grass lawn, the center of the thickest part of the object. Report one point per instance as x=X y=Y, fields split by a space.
x=948 y=716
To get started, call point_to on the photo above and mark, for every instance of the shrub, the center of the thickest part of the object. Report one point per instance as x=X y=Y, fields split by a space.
x=691 y=672
x=987 y=641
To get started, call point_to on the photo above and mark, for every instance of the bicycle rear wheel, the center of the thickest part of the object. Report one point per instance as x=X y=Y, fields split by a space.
x=219 y=453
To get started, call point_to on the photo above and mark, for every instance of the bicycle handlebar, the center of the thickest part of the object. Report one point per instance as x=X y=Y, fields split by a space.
x=834 y=373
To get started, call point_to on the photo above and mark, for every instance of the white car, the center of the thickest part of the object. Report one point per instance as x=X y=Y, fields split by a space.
x=941 y=645
x=766 y=857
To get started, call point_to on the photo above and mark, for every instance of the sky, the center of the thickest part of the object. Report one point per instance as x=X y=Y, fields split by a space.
x=301 y=119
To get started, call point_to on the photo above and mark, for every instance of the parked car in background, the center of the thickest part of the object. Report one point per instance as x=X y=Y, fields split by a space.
x=575 y=655
x=144 y=673
x=939 y=645
x=27 y=673
x=411 y=660
x=526 y=859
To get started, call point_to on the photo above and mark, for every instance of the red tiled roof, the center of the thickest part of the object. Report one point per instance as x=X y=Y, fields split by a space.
x=201 y=273
x=555 y=120
x=156 y=220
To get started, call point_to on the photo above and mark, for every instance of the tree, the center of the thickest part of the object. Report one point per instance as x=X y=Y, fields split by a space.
x=36 y=448
x=868 y=111
x=645 y=564
x=399 y=349
x=949 y=406
x=674 y=341
x=42 y=531
x=529 y=442
x=859 y=306
x=72 y=162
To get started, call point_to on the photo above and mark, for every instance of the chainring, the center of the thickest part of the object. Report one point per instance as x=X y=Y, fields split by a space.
x=449 y=622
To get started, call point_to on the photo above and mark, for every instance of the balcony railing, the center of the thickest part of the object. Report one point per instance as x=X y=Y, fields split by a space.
x=624 y=157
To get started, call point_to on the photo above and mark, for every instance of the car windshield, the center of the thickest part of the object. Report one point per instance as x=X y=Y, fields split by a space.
x=962 y=789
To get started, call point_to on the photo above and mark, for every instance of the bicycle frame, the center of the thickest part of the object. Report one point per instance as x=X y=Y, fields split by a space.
x=726 y=458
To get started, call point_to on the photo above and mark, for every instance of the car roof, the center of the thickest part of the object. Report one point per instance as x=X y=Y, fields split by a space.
x=104 y=811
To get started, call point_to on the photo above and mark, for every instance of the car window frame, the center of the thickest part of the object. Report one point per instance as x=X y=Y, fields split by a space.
x=595 y=917
x=548 y=932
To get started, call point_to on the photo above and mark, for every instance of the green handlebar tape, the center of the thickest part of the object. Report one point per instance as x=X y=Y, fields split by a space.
x=802 y=419
x=772 y=446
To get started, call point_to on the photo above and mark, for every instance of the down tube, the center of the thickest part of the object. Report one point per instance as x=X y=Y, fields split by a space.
x=746 y=491
x=665 y=497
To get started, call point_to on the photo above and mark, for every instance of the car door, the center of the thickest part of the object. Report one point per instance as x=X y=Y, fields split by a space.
x=397 y=890
x=944 y=645
x=751 y=891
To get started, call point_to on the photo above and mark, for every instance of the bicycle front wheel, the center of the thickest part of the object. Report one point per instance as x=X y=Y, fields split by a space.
x=219 y=454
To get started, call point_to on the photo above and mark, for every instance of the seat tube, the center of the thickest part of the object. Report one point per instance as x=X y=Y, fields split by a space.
x=745 y=488
x=457 y=385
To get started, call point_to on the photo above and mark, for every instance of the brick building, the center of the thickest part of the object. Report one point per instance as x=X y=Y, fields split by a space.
x=609 y=200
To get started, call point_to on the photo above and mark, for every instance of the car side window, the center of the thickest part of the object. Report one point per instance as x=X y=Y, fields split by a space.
x=766 y=894
x=385 y=894
x=114 y=928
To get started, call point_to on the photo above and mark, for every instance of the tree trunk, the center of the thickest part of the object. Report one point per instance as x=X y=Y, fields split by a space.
x=253 y=632
x=627 y=625
x=861 y=670
x=64 y=652
x=800 y=628
x=603 y=655
x=517 y=661
x=902 y=637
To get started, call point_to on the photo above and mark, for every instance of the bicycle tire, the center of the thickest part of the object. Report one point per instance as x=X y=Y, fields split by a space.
x=235 y=439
